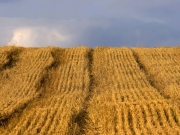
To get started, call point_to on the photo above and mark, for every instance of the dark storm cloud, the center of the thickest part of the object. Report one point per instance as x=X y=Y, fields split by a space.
x=91 y=23
x=138 y=33
x=7 y=1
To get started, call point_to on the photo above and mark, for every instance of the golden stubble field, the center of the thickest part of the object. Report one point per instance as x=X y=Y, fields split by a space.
x=90 y=91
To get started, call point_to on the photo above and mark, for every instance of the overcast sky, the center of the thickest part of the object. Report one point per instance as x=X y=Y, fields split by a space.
x=90 y=23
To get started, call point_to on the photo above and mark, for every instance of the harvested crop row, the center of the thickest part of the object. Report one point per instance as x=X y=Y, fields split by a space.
x=163 y=68
x=58 y=108
x=7 y=55
x=23 y=81
x=123 y=100
x=4 y=56
x=83 y=91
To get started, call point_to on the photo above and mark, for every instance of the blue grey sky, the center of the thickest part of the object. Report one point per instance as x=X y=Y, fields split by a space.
x=116 y=23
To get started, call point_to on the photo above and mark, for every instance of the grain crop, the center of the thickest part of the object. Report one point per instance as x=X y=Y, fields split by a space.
x=162 y=66
x=62 y=97
x=89 y=91
x=21 y=83
x=7 y=55
x=123 y=100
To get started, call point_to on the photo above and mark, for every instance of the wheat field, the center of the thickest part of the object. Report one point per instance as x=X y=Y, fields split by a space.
x=89 y=91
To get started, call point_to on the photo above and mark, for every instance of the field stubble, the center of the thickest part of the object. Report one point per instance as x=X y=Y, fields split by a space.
x=162 y=68
x=88 y=91
x=61 y=99
x=123 y=101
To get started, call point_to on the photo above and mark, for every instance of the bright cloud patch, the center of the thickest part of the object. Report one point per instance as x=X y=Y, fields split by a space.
x=30 y=37
x=23 y=37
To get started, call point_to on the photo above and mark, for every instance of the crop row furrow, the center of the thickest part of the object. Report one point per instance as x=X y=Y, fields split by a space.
x=89 y=91
x=65 y=89
x=163 y=72
x=139 y=109
x=19 y=92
